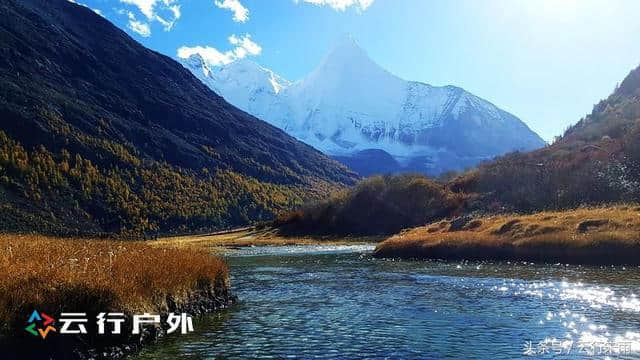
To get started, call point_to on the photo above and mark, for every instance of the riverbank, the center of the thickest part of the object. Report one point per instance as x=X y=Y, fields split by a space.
x=607 y=235
x=220 y=242
x=53 y=276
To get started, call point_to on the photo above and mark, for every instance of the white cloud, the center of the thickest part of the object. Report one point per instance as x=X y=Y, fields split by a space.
x=140 y=28
x=246 y=44
x=243 y=47
x=175 y=9
x=165 y=12
x=167 y=24
x=145 y=6
x=340 y=5
x=240 y=13
x=209 y=54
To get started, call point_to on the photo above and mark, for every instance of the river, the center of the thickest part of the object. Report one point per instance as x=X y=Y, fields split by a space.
x=340 y=302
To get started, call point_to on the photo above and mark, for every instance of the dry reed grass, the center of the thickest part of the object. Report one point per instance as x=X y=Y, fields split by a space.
x=56 y=275
x=604 y=235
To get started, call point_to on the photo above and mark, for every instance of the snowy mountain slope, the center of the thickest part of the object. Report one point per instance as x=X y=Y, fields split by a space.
x=242 y=83
x=349 y=104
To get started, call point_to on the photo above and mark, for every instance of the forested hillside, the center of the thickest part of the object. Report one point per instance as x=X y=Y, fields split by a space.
x=596 y=161
x=101 y=135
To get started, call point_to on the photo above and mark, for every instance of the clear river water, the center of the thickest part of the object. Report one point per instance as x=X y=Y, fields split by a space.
x=340 y=302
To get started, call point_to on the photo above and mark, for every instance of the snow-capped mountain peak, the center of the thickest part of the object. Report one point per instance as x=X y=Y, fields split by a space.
x=247 y=72
x=347 y=67
x=348 y=104
x=347 y=56
x=197 y=63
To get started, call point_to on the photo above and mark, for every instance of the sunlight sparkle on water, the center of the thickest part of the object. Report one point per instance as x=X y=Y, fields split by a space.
x=580 y=331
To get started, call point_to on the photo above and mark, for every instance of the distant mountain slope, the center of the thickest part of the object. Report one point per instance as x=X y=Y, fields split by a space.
x=99 y=134
x=349 y=104
x=596 y=161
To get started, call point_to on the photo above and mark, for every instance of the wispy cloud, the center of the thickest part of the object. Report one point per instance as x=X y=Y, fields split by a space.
x=140 y=28
x=243 y=46
x=165 y=12
x=145 y=6
x=340 y=5
x=209 y=54
x=240 y=13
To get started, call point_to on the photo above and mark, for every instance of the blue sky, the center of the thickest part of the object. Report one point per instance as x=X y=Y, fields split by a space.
x=546 y=61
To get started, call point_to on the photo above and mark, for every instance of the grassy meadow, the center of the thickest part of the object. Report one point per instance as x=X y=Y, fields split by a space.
x=600 y=235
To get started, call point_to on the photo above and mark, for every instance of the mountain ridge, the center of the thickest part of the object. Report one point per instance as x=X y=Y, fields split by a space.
x=349 y=104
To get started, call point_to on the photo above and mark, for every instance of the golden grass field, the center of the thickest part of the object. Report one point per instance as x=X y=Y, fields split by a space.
x=606 y=235
x=81 y=275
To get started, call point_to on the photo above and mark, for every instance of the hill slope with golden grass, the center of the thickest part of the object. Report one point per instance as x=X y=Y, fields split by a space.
x=608 y=235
